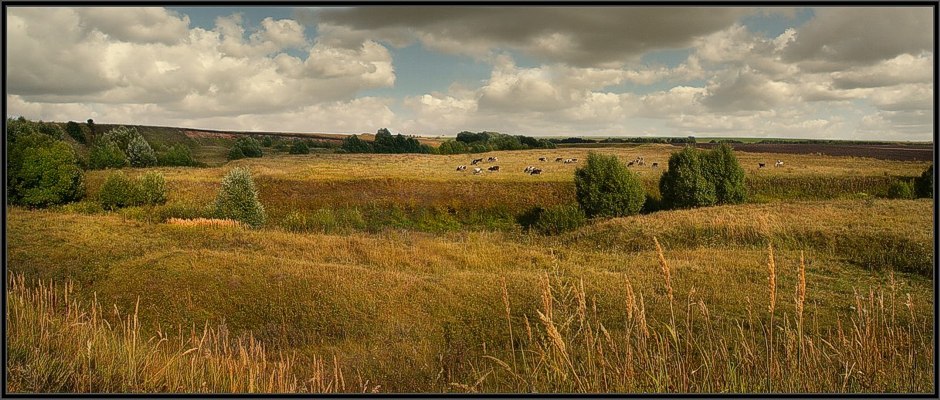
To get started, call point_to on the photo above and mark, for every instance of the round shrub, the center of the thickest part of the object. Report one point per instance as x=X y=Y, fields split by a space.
x=686 y=184
x=118 y=191
x=605 y=187
x=299 y=147
x=238 y=199
x=924 y=184
x=42 y=171
x=152 y=188
x=901 y=189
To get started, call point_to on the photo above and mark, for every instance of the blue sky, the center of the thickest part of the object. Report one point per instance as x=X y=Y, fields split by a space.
x=849 y=73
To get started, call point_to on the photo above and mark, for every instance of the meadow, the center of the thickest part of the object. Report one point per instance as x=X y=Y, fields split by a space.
x=396 y=273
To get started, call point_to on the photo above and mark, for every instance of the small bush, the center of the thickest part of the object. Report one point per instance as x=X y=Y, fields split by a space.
x=552 y=221
x=152 y=188
x=267 y=141
x=923 y=185
x=299 y=147
x=605 y=187
x=901 y=189
x=118 y=191
x=238 y=199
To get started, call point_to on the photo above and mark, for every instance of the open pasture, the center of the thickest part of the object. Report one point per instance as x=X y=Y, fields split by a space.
x=447 y=304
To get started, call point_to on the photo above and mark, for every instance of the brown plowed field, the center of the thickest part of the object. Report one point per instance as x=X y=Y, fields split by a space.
x=898 y=152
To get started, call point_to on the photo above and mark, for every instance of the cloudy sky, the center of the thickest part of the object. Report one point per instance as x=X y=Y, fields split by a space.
x=847 y=73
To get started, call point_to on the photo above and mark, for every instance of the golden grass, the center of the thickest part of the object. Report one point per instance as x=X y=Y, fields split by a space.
x=59 y=345
x=400 y=320
x=204 y=222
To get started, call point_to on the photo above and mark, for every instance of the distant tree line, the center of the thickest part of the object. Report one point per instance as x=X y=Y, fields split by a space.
x=480 y=142
x=385 y=143
x=671 y=140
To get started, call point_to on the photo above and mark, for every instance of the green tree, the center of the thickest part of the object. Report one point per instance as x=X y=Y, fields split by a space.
x=245 y=146
x=177 y=155
x=299 y=147
x=923 y=185
x=686 y=184
x=605 y=187
x=139 y=152
x=43 y=171
x=75 y=130
x=238 y=199
x=723 y=170
x=453 y=147
x=106 y=154
x=354 y=144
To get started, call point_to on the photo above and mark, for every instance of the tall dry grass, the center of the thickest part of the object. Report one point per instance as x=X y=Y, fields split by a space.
x=58 y=345
x=875 y=350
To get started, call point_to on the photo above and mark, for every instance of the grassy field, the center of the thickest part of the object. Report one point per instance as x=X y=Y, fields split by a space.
x=396 y=273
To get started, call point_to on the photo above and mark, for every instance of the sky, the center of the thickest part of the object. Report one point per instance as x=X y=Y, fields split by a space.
x=863 y=73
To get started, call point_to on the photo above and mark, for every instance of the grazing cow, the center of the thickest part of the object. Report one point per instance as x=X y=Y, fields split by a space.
x=543 y=159
x=558 y=159
x=761 y=165
x=493 y=168
x=476 y=161
x=568 y=161
x=528 y=169
x=574 y=160
x=477 y=171
x=492 y=159
x=535 y=171
x=630 y=164
x=461 y=167
x=655 y=165
x=779 y=163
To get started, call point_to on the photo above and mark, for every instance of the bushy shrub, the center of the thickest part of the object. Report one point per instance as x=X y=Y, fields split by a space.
x=686 y=183
x=120 y=191
x=245 y=146
x=723 y=170
x=106 y=155
x=177 y=155
x=42 y=171
x=139 y=152
x=552 y=221
x=152 y=188
x=267 y=141
x=605 y=187
x=121 y=136
x=238 y=199
x=299 y=147
x=923 y=185
x=901 y=189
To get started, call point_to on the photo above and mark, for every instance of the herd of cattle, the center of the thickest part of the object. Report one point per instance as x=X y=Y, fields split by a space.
x=531 y=170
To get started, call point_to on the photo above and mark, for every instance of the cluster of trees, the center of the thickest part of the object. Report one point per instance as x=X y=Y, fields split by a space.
x=42 y=169
x=385 y=142
x=120 y=147
x=605 y=187
x=480 y=142
x=245 y=147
